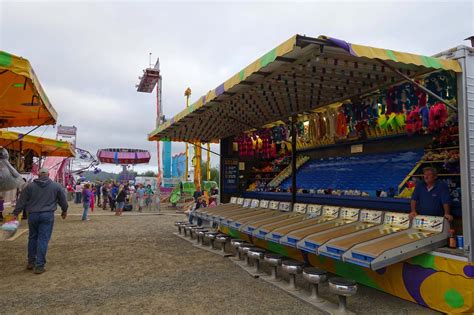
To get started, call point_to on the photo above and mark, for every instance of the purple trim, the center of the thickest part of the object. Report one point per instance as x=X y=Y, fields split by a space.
x=469 y=271
x=342 y=44
x=413 y=277
x=220 y=89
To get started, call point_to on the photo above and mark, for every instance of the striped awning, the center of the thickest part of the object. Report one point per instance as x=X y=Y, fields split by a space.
x=41 y=146
x=23 y=101
x=300 y=75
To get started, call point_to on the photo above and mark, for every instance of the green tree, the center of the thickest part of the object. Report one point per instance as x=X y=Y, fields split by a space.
x=214 y=173
x=148 y=174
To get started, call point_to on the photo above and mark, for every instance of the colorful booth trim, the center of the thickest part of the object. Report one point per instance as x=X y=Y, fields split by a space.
x=437 y=282
x=290 y=51
x=41 y=146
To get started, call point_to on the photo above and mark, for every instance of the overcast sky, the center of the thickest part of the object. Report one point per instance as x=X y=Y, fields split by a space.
x=89 y=54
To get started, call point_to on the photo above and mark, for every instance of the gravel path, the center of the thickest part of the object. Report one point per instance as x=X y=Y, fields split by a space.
x=133 y=264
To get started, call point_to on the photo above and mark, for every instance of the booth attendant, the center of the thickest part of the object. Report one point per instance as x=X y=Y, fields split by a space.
x=431 y=196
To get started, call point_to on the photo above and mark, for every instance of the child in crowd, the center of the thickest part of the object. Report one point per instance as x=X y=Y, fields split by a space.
x=86 y=199
x=92 y=201
x=2 y=201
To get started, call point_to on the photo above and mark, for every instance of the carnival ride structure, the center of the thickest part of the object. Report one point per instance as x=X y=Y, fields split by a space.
x=123 y=157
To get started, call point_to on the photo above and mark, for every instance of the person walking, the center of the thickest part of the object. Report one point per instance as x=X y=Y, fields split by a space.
x=141 y=197
x=105 y=196
x=78 y=190
x=92 y=201
x=86 y=201
x=40 y=199
x=148 y=196
x=70 y=192
x=113 y=196
x=121 y=196
x=98 y=193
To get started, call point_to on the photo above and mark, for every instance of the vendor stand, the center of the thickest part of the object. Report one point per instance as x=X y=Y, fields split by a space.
x=24 y=103
x=279 y=100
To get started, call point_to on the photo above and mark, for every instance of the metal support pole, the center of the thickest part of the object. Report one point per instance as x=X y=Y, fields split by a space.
x=208 y=163
x=187 y=93
x=293 y=161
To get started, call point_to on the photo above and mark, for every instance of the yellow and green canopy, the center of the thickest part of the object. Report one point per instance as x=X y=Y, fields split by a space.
x=23 y=101
x=41 y=146
x=299 y=75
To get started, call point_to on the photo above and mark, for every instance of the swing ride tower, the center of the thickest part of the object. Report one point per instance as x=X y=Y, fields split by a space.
x=150 y=78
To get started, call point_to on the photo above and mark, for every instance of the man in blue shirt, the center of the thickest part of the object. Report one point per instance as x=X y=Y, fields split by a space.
x=431 y=197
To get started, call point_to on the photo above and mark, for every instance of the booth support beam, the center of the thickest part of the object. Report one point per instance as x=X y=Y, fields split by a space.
x=465 y=99
x=293 y=160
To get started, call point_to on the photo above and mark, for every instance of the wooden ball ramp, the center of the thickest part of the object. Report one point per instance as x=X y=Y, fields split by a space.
x=281 y=213
x=392 y=222
x=260 y=228
x=426 y=233
x=352 y=221
x=257 y=213
x=332 y=217
x=249 y=206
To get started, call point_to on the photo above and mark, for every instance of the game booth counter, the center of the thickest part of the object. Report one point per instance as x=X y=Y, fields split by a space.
x=322 y=142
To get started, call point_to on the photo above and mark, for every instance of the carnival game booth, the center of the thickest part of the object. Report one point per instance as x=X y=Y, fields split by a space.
x=23 y=103
x=323 y=141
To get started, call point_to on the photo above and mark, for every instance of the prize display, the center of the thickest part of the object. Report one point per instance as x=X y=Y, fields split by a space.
x=403 y=110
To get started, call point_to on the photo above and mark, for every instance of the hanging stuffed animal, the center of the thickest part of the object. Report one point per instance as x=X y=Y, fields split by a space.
x=438 y=115
x=420 y=96
x=442 y=84
x=405 y=97
x=9 y=177
x=392 y=122
x=341 y=125
x=413 y=123
x=425 y=115
x=382 y=100
x=391 y=100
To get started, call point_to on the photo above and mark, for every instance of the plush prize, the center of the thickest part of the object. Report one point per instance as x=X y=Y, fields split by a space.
x=405 y=98
x=413 y=123
x=391 y=99
x=400 y=118
x=442 y=84
x=420 y=95
x=437 y=116
x=392 y=122
x=9 y=177
x=382 y=122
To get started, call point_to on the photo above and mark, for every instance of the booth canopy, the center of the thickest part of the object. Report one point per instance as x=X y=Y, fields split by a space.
x=300 y=75
x=23 y=101
x=41 y=146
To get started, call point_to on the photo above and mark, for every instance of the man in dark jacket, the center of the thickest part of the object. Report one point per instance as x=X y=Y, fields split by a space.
x=40 y=199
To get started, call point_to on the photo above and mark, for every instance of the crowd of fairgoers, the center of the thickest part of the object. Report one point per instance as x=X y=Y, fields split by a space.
x=116 y=196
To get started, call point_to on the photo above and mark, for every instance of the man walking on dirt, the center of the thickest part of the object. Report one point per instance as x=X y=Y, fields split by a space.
x=40 y=199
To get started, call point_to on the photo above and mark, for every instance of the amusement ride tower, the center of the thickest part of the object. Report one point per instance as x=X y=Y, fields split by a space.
x=151 y=77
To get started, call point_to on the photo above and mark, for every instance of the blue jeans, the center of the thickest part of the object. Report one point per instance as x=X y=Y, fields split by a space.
x=78 y=198
x=41 y=227
x=86 y=206
x=191 y=219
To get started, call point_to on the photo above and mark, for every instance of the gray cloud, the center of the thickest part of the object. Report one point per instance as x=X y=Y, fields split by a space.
x=89 y=54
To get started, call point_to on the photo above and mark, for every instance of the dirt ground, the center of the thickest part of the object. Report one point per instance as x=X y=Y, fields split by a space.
x=133 y=264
